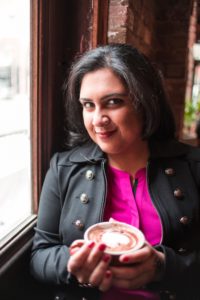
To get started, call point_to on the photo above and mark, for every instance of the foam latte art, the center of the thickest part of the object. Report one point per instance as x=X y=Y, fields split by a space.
x=116 y=237
x=118 y=240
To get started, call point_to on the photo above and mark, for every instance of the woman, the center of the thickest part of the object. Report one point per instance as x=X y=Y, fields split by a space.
x=124 y=164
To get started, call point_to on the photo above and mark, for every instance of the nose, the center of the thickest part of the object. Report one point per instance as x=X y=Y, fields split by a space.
x=99 y=119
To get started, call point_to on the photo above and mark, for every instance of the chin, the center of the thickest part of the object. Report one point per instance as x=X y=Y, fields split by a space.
x=109 y=150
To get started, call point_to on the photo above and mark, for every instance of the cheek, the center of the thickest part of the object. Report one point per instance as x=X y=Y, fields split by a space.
x=133 y=124
x=87 y=121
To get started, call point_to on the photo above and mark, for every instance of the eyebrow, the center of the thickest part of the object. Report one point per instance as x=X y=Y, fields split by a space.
x=107 y=96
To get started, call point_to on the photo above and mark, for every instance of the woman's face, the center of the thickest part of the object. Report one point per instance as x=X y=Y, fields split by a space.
x=108 y=113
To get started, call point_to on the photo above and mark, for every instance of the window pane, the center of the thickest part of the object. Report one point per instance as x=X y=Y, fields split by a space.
x=15 y=200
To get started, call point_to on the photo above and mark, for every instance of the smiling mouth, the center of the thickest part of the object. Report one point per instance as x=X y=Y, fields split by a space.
x=105 y=134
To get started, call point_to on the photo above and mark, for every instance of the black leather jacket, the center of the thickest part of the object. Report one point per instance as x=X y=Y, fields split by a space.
x=73 y=198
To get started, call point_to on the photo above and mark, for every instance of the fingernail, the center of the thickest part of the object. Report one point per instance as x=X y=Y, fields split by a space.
x=91 y=245
x=71 y=251
x=102 y=247
x=125 y=259
x=106 y=258
x=108 y=274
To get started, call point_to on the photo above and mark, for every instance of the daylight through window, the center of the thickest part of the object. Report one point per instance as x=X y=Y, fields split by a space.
x=15 y=196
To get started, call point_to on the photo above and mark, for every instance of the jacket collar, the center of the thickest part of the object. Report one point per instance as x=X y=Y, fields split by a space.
x=92 y=153
x=87 y=152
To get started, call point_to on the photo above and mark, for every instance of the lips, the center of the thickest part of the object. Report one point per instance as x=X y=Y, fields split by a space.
x=104 y=134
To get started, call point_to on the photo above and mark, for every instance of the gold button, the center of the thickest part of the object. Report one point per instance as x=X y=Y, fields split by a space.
x=79 y=224
x=178 y=193
x=84 y=198
x=89 y=175
x=170 y=171
x=184 y=220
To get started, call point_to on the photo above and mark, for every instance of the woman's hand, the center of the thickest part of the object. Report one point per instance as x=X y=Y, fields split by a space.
x=89 y=264
x=139 y=268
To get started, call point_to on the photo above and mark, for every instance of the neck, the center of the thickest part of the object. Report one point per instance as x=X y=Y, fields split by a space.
x=132 y=161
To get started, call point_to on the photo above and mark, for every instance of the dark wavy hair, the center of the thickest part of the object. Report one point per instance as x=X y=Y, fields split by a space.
x=142 y=80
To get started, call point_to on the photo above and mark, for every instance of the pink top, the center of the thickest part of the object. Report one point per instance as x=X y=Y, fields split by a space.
x=135 y=208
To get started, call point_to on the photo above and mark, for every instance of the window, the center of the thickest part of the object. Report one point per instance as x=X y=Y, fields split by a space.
x=15 y=186
x=29 y=31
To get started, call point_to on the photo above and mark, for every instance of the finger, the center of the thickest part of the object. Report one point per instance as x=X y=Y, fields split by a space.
x=73 y=250
x=136 y=283
x=145 y=270
x=93 y=259
x=96 y=255
x=128 y=272
x=99 y=272
x=78 y=259
x=75 y=246
x=83 y=264
x=77 y=243
x=106 y=282
x=137 y=256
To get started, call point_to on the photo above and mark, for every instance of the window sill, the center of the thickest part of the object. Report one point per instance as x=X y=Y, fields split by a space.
x=16 y=243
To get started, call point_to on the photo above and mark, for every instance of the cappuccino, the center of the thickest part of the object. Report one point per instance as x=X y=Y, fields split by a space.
x=118 y=237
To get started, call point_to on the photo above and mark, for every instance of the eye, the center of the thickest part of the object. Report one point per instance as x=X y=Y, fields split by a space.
x=114 y=102
x=87 y=104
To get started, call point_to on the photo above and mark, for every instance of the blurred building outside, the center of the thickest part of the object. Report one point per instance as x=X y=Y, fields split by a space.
x=15 y=202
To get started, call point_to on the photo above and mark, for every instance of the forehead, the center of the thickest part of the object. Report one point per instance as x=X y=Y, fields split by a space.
x=102 y=79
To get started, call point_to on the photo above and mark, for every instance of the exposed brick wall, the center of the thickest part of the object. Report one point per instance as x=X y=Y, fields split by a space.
x=172 y=33
x=117 y=22
x=141 y=27
x=133 y=22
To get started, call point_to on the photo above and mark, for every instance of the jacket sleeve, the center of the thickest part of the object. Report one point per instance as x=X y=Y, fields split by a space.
x=182 y=272
x=49 y=256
